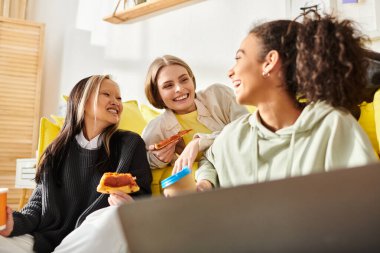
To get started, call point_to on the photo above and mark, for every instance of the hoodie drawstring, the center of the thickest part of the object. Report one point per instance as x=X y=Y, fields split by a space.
x=255 y=156
x=289 y=164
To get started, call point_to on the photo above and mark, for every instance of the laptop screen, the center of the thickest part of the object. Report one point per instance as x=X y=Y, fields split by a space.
x=337 y=211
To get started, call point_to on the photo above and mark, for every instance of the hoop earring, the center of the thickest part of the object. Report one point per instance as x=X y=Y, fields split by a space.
x=265 y=74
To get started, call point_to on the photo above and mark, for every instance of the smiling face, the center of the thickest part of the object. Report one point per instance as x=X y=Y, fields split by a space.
x=105 y=107
x=246 y=75
x=177 y=89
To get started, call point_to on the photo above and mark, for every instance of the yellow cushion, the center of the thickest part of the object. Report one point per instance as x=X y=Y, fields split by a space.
x=131 y=119
x=48 y=132
x=58 y=120
x=148 y=113
x=367 y=121
x=376 y=108
x=161 y=174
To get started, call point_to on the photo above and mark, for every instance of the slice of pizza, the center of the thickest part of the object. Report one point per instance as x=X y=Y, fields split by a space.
x=113 y=182
x=171 y=139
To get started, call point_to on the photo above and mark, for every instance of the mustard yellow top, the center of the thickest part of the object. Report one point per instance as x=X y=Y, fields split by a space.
x=190 y=121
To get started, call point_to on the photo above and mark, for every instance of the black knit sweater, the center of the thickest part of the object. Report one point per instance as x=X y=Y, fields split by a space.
x=53 y=211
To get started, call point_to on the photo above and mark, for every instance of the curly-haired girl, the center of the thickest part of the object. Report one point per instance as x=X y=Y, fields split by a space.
x=304 y=78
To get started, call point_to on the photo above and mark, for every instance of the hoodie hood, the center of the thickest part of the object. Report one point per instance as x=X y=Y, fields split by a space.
x=310 y=116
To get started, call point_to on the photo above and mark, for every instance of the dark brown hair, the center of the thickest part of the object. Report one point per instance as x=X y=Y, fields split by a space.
x=331 y=62
x=151 y=88
x=323 y=59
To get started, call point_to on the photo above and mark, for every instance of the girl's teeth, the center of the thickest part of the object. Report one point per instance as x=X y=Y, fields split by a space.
x=182 y=97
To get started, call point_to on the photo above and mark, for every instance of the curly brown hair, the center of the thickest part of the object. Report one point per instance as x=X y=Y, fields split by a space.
x=323 y=59
x=331 y=62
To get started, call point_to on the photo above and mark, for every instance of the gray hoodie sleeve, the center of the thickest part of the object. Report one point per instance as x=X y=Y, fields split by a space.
x=206 y=169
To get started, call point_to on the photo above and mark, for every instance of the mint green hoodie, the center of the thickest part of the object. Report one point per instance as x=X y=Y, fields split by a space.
x=322 y=139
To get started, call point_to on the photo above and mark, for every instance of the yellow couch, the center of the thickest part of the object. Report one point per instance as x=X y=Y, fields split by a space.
x=135 y=118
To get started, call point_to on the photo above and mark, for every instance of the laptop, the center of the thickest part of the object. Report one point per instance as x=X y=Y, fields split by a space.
x=337 y=211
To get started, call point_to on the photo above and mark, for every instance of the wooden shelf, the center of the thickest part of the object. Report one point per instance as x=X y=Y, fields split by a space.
x=141 y=10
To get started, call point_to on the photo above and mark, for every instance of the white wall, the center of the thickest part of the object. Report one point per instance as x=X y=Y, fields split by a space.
x=58 y=16
x=205 y=33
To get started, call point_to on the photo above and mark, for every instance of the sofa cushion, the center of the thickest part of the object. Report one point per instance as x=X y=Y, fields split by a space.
x=131 y=118
x=148 y=113
x=58 y=120
x=367 y=122
x=48 y=132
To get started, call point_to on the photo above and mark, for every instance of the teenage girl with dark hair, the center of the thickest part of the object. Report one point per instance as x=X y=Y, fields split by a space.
x=320 y=60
